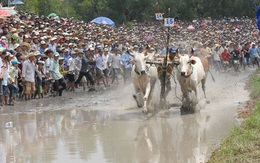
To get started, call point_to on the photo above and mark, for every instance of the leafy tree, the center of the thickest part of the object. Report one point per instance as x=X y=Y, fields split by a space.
x=122 y=11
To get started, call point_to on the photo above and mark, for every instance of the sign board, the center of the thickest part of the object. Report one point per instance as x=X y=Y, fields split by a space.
x=159 y=16
x=168 y=22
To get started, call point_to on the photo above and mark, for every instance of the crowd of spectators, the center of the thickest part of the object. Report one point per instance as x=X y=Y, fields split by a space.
x=46 y=55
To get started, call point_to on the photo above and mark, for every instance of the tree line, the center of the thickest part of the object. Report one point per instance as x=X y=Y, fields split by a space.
x=122 y=11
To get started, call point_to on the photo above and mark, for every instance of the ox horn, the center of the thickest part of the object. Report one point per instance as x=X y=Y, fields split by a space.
x=192 y=52
x=127 y=50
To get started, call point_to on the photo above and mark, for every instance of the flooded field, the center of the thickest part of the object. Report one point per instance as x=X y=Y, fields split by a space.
x=107 y=127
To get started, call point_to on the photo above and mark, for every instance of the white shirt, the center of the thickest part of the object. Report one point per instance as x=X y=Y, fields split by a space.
x=47 y=65
x=99 y=62
x=52 y=47
x=105 y=60
x=72 y=64
x=28 y=71
x=115 y=60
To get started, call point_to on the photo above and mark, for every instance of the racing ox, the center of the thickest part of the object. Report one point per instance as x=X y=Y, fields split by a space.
x=144 y=77
x=192 y=71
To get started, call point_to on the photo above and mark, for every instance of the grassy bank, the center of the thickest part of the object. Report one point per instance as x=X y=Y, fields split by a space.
x=243 y=143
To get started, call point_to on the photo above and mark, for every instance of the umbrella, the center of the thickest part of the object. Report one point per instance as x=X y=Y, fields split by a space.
x=204 y=25
x=190 y=27
x=148 y=38
x=16 y=2
x=52 y=15
x=103 y=20
x=4 y=13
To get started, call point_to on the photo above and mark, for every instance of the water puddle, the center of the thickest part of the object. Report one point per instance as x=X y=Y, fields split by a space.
x=102 y=136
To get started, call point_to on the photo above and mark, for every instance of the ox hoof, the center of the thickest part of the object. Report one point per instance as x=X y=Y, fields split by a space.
x=135 y=97
x=207 y=101
x=187 y=110
x=145 y=111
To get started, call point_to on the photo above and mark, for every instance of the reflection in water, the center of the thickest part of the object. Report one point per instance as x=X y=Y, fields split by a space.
x=98 y=136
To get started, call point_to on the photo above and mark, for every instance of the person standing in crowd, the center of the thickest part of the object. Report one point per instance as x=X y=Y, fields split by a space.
x=254 y=55
x=1 y=73
x=225 y=56
x=216 y=58
x=28 y=75
x=5 y=82
x=85 y=71
x=13 y=86
x=105 y=58
x=100 y=66
x=53 y=44
x=59 y=84
x=72 y=71
x=78 y=63
x=36 y=44
x=115 y=61
x=66 y=56
x=235 y=54
x=4 y=42
x=246 y=55
x=43 y=46
x=39 y=79
x=126 y=59
x=47 y=65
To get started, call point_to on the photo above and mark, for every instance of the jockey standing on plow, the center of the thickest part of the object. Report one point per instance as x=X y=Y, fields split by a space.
x=173 y=59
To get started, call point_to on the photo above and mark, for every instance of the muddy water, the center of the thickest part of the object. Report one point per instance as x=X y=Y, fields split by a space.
x=107 y=127
x=99 y=136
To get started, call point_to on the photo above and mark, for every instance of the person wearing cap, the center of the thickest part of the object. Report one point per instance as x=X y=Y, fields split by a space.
x=5 y=60
x=115 y=61
x=53 y=44
x=61 y=66
x=246 y=55
x=72 y=71
x=216 y=57
x=36 y=45
x=78 y=64
x=254 y=54
x=1 y=70
x=173 y=57
x=43 y=46
x=85 y=71
x=13 y=78
x=28 y=75
x=126 y=59
x=48 y=61
x=100 y=67
x=4 y=42
x=59 y=84
x=135 y=49
x=39 y=79
x=13 y=42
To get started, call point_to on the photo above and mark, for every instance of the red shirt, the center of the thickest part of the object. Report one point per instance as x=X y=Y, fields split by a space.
x=225 y=56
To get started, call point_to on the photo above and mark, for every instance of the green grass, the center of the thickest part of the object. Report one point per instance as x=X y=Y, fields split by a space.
x=243 y=143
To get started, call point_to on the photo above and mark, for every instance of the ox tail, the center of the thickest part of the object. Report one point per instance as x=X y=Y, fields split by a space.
x=212 y=76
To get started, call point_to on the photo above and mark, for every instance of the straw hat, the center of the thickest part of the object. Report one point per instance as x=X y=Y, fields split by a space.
x=32 y=54
x=26 y=45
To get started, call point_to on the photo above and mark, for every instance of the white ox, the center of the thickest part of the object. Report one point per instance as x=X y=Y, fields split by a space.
x=144 y=77
x=191 y=72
